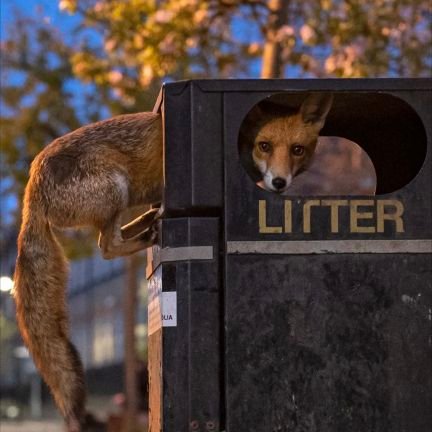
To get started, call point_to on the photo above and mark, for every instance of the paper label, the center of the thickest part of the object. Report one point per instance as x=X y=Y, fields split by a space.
x=162 y=306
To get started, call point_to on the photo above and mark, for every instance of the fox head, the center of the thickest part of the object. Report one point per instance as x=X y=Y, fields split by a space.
x=280 y=142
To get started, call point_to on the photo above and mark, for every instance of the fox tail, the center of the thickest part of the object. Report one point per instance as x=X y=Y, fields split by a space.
x=40 y=295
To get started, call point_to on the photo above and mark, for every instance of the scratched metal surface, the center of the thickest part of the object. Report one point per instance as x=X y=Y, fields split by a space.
x=328 y=343
x=185 y=361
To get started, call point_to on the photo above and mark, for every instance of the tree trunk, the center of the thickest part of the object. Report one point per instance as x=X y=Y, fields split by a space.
x=130 y=361
x=272 y=64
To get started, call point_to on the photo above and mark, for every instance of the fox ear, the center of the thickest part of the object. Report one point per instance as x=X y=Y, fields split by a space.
x=255 y=114
x=315 y=108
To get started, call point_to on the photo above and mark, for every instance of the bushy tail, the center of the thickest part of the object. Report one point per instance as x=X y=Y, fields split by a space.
x=40 y=285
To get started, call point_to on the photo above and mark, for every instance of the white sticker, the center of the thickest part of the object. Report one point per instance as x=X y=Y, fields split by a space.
x=162 y=306
x=169 y=309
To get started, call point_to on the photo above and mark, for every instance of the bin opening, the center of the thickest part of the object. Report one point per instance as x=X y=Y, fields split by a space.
x=339 y=167
x=370 y=143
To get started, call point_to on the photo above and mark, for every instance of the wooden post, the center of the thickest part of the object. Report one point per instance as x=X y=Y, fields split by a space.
x=130 y=362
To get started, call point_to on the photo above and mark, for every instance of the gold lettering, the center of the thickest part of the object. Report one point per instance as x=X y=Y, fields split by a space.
x=355 y=215
x=262 y=219
x=334 y=212
x=307 y=214
x=396 y=216
x=288 y=216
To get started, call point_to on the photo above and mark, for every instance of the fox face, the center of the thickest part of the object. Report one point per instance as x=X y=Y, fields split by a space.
x=282 y=144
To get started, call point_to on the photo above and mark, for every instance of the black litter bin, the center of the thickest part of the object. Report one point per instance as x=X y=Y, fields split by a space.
x=297 y=313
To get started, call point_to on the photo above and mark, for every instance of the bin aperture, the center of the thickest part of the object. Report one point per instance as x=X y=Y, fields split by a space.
x=387 y=128
x=338 y=167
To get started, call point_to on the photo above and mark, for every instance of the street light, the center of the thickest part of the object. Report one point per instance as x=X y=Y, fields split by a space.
x=6 y=302
x=6 y=284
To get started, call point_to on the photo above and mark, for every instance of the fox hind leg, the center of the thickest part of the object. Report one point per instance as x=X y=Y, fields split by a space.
x=141 y=224
x=114 y=245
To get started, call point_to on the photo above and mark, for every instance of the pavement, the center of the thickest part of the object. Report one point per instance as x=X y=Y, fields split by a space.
x=51 y=420
x=31 y=426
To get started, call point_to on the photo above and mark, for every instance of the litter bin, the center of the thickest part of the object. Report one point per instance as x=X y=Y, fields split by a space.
x=299 y=312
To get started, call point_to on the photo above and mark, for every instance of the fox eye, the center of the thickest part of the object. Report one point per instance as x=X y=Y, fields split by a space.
x=264 y=146
x=298 y=150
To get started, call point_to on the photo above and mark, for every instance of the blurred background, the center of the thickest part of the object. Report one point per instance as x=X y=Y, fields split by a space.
x=71 y=62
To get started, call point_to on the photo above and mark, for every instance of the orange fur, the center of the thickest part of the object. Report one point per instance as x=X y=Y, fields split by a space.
x=282 y=143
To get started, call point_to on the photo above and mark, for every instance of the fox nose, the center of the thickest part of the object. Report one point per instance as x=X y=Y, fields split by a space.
x=279 y=183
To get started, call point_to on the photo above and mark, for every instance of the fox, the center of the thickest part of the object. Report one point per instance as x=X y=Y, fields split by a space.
x=88 y=177
x=277 y=143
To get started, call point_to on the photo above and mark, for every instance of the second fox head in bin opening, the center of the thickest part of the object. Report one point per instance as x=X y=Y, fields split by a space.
x=277 y=142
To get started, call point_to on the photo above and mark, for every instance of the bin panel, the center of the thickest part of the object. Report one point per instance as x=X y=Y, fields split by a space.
x=355 y=115
x=184 y=357
x=330 y=336
x=193 y=149
x=322 y=343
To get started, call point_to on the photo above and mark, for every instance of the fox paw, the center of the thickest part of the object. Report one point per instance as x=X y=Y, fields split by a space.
x=141 y=223
x=150 y=235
